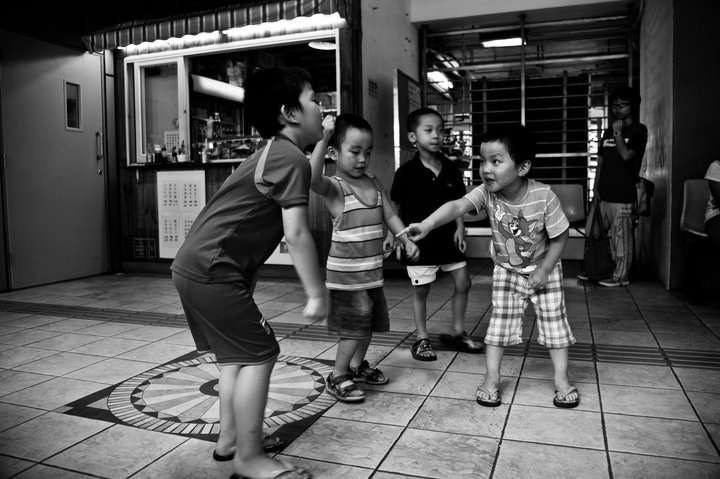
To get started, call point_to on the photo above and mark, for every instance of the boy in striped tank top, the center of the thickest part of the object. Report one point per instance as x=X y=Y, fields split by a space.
x=359 y=207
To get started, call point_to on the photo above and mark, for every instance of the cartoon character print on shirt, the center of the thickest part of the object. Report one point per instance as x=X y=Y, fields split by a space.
x=517 y=233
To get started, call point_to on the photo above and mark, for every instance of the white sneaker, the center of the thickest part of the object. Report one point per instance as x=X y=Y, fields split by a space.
x=583 y=277
x=612 y=283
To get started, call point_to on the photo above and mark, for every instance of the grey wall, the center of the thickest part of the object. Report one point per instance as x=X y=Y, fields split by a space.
x=681 y=98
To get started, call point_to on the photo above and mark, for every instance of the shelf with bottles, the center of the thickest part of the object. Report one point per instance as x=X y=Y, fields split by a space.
x=230 y=149
x=215 y=126
x=169 y=152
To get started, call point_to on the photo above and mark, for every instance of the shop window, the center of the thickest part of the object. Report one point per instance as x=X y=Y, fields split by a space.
x=72 y=106
x=189 y=108
x=159 y=103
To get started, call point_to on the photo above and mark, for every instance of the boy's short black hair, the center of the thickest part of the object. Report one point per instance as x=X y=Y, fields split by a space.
x=343 y=123
x=630 y=95
x=627 y=93
x=517 y=138
x=413 y=119
x=267 y=90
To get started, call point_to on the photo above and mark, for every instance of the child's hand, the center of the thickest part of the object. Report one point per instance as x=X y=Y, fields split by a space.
x=414 y=231
x=388 y=246
x=412 y=252
x=315 y=308
x=617 y=127
x=328 y=124
x=538 y=279
x=459 y=239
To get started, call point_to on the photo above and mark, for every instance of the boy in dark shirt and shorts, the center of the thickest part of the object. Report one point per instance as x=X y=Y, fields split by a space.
x=215 y=269
x=420 y=186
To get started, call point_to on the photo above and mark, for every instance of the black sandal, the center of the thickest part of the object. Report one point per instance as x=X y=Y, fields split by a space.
x=422 y=350
x=344 y=388
x=461 y=342
x=270 y=444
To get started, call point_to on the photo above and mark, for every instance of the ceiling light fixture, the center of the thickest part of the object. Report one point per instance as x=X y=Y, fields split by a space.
x=322 y=45
x=439 y=81
x=504 y=42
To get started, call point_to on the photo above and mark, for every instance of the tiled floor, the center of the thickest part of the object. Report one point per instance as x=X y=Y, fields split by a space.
x=91 y=386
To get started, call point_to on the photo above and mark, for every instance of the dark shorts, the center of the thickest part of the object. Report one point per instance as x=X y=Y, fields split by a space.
x=358 y=314
x=227 y=318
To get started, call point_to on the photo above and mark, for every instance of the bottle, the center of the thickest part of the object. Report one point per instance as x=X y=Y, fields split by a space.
x=148 y=154
x=164 y=155
x=217 y=126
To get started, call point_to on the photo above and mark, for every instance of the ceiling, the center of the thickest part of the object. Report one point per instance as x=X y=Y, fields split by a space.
x=535 y=16
x=66 y=22
x=598 y=42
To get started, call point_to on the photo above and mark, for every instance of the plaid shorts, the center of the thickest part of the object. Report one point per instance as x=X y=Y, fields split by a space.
x=510 y=296
x=357 y=314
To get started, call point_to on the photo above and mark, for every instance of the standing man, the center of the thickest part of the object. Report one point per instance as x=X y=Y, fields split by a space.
x=619 y=162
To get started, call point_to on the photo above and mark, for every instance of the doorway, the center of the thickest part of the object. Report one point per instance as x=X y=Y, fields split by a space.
x=54 y=168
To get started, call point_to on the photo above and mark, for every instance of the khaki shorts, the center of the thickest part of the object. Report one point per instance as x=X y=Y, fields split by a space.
x=425 y=274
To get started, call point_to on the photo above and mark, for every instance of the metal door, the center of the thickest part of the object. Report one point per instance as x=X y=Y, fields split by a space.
x=54 y=166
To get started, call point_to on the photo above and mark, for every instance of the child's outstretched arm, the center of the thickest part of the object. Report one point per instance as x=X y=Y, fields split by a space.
x=304 y=256
x=395 y=225
x=445 y=214
x=538 y=278
x=319 y=183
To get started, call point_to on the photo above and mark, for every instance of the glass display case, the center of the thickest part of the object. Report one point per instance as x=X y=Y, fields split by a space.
x=189 y=109
x=218 y=127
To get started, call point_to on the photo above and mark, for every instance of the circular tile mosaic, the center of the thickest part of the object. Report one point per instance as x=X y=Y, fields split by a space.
x=182 y=397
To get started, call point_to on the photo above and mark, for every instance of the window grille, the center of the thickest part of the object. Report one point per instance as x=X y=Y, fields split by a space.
x=557 y=83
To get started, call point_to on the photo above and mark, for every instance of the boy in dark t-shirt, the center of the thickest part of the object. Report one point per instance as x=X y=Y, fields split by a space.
x=420 y=186
x=215 y=269
x=619 y=162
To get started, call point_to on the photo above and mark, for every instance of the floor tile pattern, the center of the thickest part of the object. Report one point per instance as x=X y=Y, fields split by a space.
x=647 y=364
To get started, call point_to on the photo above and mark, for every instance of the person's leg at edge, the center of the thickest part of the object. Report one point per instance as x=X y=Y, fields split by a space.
x=624 y=242
x=420 y=295
x=559 y=358
x=493 y=361
x=360 y=352
x=461 y=282
x=249 y=398
x=505 y=326
x=712 y=228
x=226 y=438
x=346 y=351
x=201 y=343
x=617 y=219
x=607 y=215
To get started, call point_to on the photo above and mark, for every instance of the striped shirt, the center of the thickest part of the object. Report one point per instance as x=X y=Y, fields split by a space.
x=520 y=231
x=355 y=261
